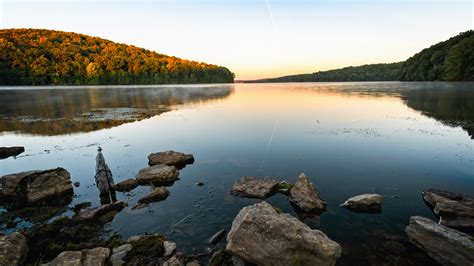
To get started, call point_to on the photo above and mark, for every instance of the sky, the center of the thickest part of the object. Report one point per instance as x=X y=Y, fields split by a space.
x=259 y=38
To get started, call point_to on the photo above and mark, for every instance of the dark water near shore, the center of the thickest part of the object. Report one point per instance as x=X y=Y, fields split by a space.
x=349 y=138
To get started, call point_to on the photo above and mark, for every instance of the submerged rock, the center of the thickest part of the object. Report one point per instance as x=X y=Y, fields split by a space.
x=161 y=174
x=253 y=187
x=159 y=193
x=217 y=237
x=105 y=212
x=87 y=257
x=13 y=249
x=172 y=158
x=454 y=209
x=304 y=197
x=126 y=185
x=446 y=245
x=262 y=236
x=36 y=186
x=370 y=203
x=6 y=152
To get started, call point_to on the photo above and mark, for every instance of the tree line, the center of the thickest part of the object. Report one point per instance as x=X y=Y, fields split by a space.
x=47 y=57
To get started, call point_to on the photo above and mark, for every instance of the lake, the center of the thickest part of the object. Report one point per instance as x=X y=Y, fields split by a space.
x=390 y=138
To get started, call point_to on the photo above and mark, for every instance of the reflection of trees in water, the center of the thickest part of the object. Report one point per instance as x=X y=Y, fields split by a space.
x=450 y=103
x=62 y=111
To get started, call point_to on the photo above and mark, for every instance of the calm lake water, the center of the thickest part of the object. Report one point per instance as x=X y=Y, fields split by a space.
x=349 y=138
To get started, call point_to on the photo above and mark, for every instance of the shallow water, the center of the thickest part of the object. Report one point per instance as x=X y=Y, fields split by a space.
x=350 y=138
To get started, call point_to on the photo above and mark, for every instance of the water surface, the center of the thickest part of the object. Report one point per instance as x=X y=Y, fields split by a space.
x=350 y=138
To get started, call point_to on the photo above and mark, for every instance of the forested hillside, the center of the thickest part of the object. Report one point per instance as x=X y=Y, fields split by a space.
x=44 y=57
x=451 y=60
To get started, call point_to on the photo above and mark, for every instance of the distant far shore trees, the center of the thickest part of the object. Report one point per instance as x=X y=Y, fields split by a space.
x=46 y=57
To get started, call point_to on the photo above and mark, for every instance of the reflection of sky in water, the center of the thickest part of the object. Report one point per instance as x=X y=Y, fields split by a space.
x=347 y=143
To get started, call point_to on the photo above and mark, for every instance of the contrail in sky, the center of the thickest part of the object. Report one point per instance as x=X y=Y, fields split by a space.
x=271 y=15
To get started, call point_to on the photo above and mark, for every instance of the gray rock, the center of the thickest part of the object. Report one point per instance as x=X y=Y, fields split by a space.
x=119 y=253
x=171 y=158
x=36 y=186
x=176 y=260
x=170 y=248
x=304 y=197
x=103 y=213
x=157 y=174
x=13 y=249
x=217 y=237
x=446 y=245
x=126 y=185
x=6 y=152
x=262 y=236
x=87 y=257
x=454 y=209
x=370 y=203
x=254 y=187
x=158 y=194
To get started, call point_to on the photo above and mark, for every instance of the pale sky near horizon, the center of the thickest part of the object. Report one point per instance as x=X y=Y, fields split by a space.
x=260 y=38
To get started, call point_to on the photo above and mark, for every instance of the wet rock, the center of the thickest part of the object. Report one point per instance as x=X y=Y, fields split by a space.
x=370 y=203
x=172 y=158
x=446 y=245
x=77 y=184
x=13 y=249
x=36 y=186
x=262 y=236
x=217 y=237
x=304 y=197
x=119 y=253
x=6 y=152
x=160 y=174
x=170 y=248
x=454 y=209
x=104 y=212
x=87 y=257
x=199 y=184
x=159 y=193
x=126 y=185
x=78 y=207
x=253 y=187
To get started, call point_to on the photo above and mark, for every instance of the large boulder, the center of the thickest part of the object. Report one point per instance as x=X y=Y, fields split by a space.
x=87 y=257
x=253 y=187
x=159 y=193
x=126 y=185
x=262 y=236
x=13 y=249
x=305 y=198
x=370 y=203
x=172 y=158
x=446 y=245
x=6 y=152
x=36 y=186
x=103 y=213
x=158 y=174
x=454 y=209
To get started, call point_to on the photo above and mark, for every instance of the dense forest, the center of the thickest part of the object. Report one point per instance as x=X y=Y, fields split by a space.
x=45 y=57
x=451 y=60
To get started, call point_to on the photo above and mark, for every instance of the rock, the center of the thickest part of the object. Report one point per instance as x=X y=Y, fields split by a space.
x=262 y=236
x=161 y=174
x=253 y=187
x=284 y=187
x=87 y=257
x=78 y=207
x=36 y=186
x=217 y=237
x=199 y=184
x=170 y=248
x=304 y=197
x=454 y=209
x=176 y=260
x=98 y=213
x=13 y=249
x=126 y=185
x=119 y=254
x=6 y=152
x=446 y=245
x=77 y=184
x=172 y=158
x=370 y=203
x=193 y=263
x=159 y=193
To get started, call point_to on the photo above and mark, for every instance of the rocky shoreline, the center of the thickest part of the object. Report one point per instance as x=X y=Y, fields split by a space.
x=260 y=233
